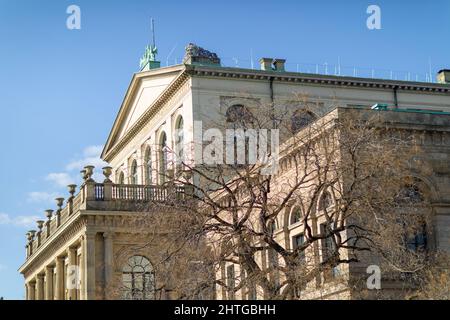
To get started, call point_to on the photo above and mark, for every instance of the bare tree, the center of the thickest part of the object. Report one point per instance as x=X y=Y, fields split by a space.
x=344 y=179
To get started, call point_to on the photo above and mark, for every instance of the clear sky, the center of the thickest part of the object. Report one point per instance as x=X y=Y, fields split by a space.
x=60 y=89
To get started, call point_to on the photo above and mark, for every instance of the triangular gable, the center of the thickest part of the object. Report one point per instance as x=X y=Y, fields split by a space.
x=144 y=89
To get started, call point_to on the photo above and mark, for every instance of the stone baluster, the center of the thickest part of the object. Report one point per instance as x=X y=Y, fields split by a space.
x=49 y=214
x=59 y=203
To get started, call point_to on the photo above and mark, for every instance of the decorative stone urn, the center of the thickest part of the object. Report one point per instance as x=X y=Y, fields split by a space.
x=32 y=233
x=49 y=214
x=59 y=202
x=83 y=175
x=107 y=171
x=40 y=224
x=72 y=188
x=89 y=173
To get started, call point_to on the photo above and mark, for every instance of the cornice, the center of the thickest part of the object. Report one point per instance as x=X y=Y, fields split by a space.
x=256 y=75
x=314 y=79
x=74 y=226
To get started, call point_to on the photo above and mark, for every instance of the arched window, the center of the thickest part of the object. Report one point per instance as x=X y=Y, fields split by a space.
x=296 y=215
x=179 y=140
x=162 y=158
x=325 y=201
x=138 y=279
x=134 y=173
x=301 y=119
x=121 y=178
x=148 y=166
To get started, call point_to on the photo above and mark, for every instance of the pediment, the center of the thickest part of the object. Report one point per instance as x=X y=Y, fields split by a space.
x=144 y=90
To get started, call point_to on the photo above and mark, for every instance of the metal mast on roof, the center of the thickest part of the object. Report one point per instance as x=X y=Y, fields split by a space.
x=153 y=32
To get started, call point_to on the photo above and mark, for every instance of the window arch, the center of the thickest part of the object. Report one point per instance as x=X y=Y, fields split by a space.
x=295 y=216
x=134 y=173
x=179 y=140
x=148 y=166
x=162 y=157
x=138 y=279
x=301 y=118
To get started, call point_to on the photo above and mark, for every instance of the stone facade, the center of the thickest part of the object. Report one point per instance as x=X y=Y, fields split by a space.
x=85 y=237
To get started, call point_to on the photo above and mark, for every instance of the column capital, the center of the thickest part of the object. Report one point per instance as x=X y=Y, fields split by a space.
x=88 y=235
x=71 y=249
x=108 y=234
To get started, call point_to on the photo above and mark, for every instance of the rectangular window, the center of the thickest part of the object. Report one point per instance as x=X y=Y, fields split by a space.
x=298 y=241
x=328 y=249
x=230 y=281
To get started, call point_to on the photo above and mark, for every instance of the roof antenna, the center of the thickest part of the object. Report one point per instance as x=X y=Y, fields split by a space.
x=153 y=32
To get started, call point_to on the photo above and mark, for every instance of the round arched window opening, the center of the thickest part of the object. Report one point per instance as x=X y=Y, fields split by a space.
x=134 y=173
x=179 y=140
x=138 y=279
x=296 y=215
x=163 y=157
x=148 y=166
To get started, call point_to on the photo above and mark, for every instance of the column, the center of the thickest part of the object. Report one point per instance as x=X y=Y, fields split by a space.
x=31 y=290
x=40 y=287
x=108 y=239
x=82 y=271
x=48 y=283
x=59 y=290
x=73 y=273
x=89 y=266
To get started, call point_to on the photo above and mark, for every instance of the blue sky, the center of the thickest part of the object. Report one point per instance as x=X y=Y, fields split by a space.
x=60 y=89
